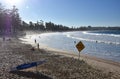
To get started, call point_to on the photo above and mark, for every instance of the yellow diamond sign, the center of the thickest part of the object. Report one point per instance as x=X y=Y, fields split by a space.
x=80 y=46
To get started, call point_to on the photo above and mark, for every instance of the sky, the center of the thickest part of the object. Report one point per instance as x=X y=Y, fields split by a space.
x=69 y=12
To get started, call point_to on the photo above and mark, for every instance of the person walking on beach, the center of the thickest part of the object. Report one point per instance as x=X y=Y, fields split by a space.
x=38 y=45
x=74 y=42
x=3 y=38
x=35 y=40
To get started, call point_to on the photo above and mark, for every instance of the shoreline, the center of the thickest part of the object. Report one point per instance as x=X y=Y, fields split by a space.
x=103 y=54
x=59 y=65
x=89 y=59
x=107 y=66
x=63 y=51
x=66 y=52
x=96 y=62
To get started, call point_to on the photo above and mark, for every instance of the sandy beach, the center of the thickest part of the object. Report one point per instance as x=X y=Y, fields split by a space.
x=59 y=39
x=59 y=65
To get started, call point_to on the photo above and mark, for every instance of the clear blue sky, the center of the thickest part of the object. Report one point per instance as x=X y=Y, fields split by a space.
x=71 y=12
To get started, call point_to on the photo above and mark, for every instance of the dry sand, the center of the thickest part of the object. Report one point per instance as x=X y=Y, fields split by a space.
x=59 y=65
x=107 y=66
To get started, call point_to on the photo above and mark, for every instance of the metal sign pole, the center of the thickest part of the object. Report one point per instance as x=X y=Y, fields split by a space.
x=79 y=56
x=80 y=46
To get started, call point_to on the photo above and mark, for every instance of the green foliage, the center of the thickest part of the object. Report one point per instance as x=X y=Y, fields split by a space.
x=47 y=26
x=10 y=21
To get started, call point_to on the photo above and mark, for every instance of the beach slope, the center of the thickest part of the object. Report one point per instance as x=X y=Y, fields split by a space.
x=59 y=65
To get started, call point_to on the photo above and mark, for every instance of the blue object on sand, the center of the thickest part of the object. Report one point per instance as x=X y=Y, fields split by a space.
x=27 y=65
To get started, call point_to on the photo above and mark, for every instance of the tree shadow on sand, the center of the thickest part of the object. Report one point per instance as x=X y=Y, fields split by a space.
x=30 y=74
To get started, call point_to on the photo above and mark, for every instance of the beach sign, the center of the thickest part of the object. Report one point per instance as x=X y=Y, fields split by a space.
x=80 y=46
x=28 y=65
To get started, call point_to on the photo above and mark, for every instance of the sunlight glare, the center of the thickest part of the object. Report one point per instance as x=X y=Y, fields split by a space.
x=13 y=2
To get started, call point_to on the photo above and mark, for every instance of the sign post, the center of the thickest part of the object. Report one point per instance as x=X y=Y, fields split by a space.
x=80 y=46
x=79 y=55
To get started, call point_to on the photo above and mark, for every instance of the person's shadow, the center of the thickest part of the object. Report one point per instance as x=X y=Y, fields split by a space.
x=30 y=74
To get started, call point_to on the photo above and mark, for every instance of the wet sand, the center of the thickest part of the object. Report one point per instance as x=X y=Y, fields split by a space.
x=59 y=65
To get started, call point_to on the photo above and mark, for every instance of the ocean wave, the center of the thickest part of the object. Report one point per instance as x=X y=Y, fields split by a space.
x=90 y=40
x=113 y=35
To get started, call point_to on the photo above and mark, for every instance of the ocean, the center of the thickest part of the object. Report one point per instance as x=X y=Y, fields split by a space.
x=103 y=44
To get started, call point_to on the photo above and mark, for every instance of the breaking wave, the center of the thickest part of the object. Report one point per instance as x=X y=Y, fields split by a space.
x=91 y=40
x=113 y=35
